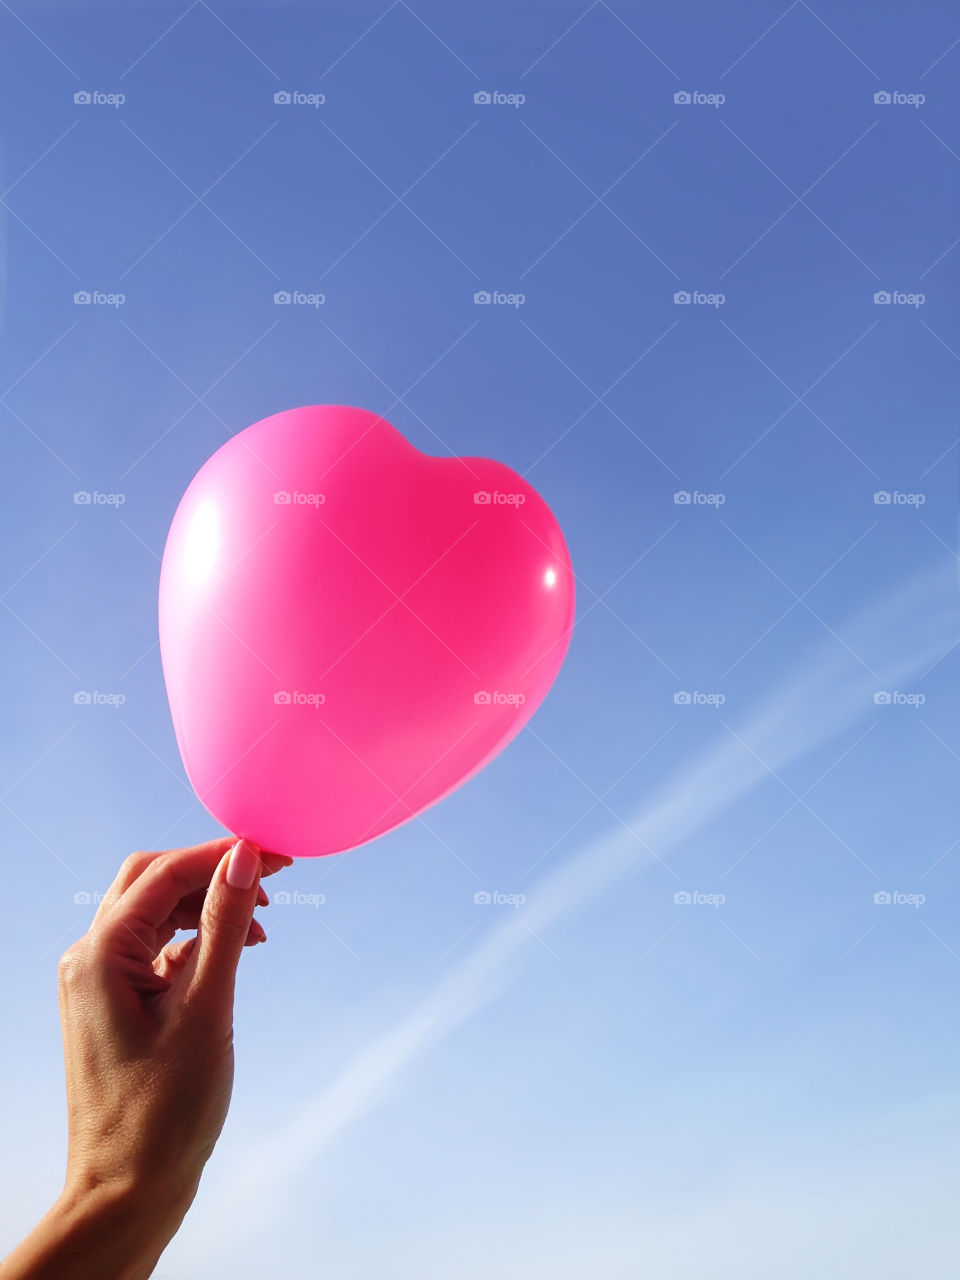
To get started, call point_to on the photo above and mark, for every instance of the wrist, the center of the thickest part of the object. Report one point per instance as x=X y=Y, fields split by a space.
x=100 y=1231
x=133 y=1198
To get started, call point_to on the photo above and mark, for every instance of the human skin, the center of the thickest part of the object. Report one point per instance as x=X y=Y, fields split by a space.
x=148 y=1047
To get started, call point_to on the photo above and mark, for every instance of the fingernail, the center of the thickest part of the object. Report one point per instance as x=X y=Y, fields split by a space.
x=244 y=865
x=258 y=931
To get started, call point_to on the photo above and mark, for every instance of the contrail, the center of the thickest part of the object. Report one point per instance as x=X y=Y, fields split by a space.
x=832 y=692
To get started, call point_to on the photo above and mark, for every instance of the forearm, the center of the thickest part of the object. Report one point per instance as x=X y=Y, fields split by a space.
x=97 y=1234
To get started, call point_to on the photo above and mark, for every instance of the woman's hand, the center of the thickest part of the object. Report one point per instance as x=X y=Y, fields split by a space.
x=148 y=1043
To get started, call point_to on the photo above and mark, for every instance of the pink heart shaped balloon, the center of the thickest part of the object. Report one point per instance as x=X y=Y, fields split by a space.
x=350 y=628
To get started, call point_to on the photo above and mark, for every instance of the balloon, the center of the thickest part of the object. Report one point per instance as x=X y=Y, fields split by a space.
x=350 y=628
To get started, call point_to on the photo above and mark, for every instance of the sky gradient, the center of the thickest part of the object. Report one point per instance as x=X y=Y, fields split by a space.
x=718 y=1035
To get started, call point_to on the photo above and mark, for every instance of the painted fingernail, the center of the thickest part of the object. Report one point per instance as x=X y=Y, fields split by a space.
x=258 y=931
x=244 y=865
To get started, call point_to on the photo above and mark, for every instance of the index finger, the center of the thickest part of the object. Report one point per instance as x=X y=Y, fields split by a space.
x=212 y=851
x=133 y=923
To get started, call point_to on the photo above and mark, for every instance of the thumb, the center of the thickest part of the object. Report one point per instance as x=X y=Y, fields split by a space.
x=225 y=923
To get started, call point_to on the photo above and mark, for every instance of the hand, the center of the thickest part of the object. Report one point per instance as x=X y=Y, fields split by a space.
x=148 y=1044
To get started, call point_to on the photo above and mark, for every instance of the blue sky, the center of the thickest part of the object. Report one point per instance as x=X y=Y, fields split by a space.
x=604 y=1077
